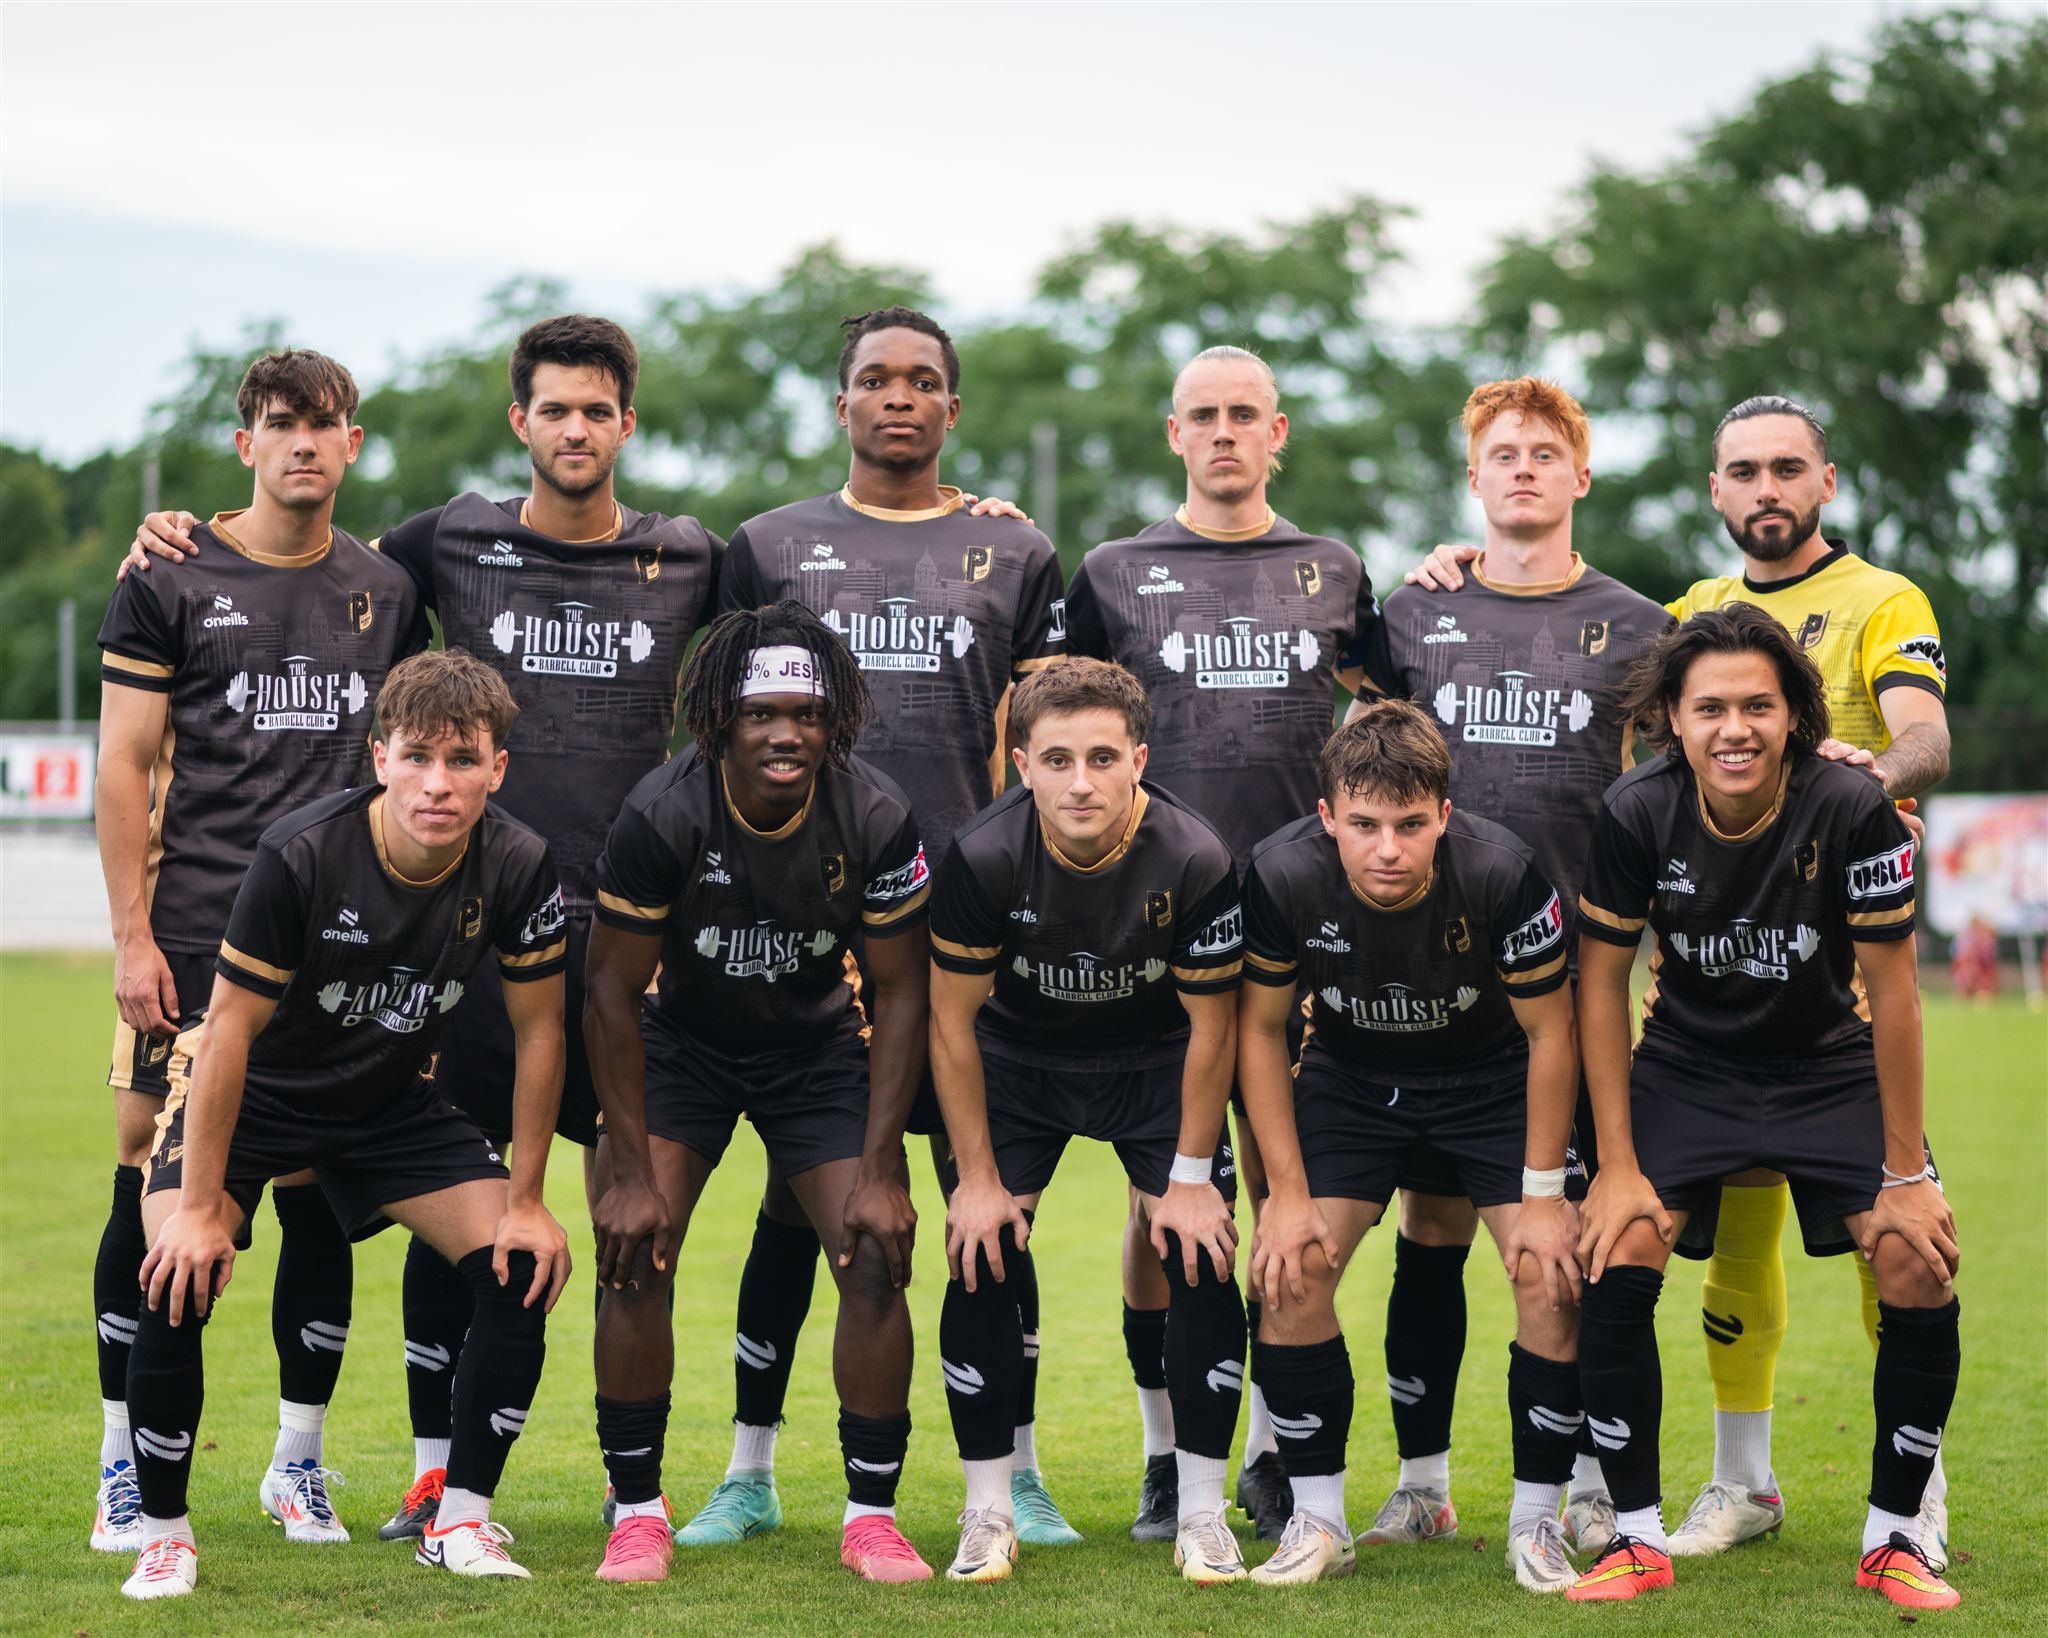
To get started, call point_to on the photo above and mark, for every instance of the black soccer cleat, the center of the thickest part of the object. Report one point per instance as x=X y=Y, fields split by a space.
x=1265 y=1497
x=1158 y=1500
x=421 y=1506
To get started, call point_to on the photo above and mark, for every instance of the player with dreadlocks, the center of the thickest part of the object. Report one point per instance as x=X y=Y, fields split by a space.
x=743 y=872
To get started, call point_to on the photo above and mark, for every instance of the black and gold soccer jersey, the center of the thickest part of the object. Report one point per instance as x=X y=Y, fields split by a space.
x=590 y=637
x=1525 y=682
x=1755 y=934
x=1238 y=639
x=1417 y=994
x=364 y=964
x=942 y=609
x=1089 y=963
x=272 y=666
x=1867 y=629
x=756 y=928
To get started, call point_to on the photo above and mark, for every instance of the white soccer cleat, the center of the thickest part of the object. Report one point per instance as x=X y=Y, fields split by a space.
x=1205 y=1552
x=297 y=1499
x=474 y=1547
x=1536 y=1556
x=1412 y=1514
x=1589 y=1523
x=1932 y=1531
x=168 y=1568
x=988 y=1547
x=117 y=1522
x=1725 y=1515
x=1311 y=1549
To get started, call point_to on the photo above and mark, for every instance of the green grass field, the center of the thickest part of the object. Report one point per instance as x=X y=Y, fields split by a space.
x=1988 y=1112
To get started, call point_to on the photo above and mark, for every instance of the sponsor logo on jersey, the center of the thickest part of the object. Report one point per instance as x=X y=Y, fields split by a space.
x=822 y=559
x=348 y=932
x=1159 y=911
x=1158 y=581
x=544 y=923
x=360 y=612
x=1399 y=1009
x=715 y=871
x=1746 y=950
x=761 y=951
x=1680 y=880
x=976 y=562
x=1446 y=631
x=832 y=867
x=1592 y=638
x=1813 y=629
x=647 y=566
x=501 y=556
x=401 y=1001
x=1083 y=976
x=570 y=643
x=297 y=697
x=1308 y=576
x=1057 y=608
x=1535 y=935
x=1882 y=874
x=1512 y=710
x=1240 y=655
x=901 y=882
x=469 y=919
x=1927 y=650
x=1024 y=915
x=224 y=613
x=898 y=638
x=1457 y=935
x=1329 y=937
x=1222 y=935
x=1806 y=859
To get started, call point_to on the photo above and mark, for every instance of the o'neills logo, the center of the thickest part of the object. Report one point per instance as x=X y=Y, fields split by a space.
x=1399 y=1009
x=297 y=697
x=1085 y=977
x=1745 y=950
x=1240 y=655
x=761 y=951
x=822 y=560
x=347 y=932
x=898 y=638
x=569 y=643
x=1511 y=710
x=501 y=556
x=224 y=613
x=401 y=1001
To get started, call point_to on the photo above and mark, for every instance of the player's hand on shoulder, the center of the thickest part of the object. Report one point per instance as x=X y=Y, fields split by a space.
x=1839 y=750
x=160 y=534
x=192 y=1261
x=630 y=1213
x=1546 y=1231
x=1202 y=1218
x=533 y=1228
x=1440 y=570
x=880 y=1207
x=1919 y=1214
x=1909 y=816
x=1288 y=1227
x=144 y=991
x=993 y=507
x=975 y=1215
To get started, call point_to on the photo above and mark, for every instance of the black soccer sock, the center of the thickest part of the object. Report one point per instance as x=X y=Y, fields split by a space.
x=314 y=1295
x=1425 y=1344
x=1919 y=1352
x=872 y=1448
x=775 y=1295
x=1204 y=1355
x=498 y=1373
x=1623 y=1381
x=1310 y=1392
x=114 y=1273
x=630 y=1433
x=1252 y=1310
x=438 y=1306
x=1145 y=1345
x=1547 y=1413
x=981 y=1355
x=1022 y=1278
x=166 y=1389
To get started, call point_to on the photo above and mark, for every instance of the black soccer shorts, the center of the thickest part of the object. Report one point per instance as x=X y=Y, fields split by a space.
x=809 y=1107
x=142 y=1063
x=1429 y=1171
x=1699 y=1117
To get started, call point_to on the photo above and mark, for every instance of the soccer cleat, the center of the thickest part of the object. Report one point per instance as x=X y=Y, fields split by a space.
x=117 y=1523
x=1311 y=1549
x=1589 y=1523
x=988 y=1547
x=1725 y=1515
x=1932 y=1532
x=1265 y=1497
x=297 y=1499
x=473 y=1547
x=639 y=1550
x=1412 y=1514
x=1039 y=1521
x=417 y=1511
x=1537 y=1558
x=742 y=1506
x=1627 y=1569
x=1205 y=1552
x=1901 y=1572
x=167 y=1568
x=875 y=1550
x=1158 y=1500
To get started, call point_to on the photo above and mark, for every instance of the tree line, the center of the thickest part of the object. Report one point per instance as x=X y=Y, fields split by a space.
x=1868 y=235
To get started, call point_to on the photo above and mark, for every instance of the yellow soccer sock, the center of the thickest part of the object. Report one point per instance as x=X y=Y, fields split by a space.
x=1868 y=1277
x=1742 y=1302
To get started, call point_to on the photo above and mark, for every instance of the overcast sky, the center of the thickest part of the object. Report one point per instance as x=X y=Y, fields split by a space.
x=367 y=172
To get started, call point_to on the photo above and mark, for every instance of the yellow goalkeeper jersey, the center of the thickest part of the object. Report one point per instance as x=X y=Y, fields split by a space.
x=1866 y=628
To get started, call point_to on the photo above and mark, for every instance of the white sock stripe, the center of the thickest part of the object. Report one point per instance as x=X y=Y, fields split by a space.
x=508 y=1422
x=1294 y=1427
x=318 y=1334
x=1406 y=1390
x=1030 y=1344
x=1912 y=1441
x=426 y=1356
x=1551 y=1421
x=1226 y=1376
x=1608 y=1435
x=118 y=1329
x=756 y=1355
x=860 y=1466
x=964 y=1379
x=163 y=1447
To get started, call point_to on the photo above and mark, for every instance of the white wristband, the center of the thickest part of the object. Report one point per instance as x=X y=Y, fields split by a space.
x=1189 y=1169
x=1537 y=1185
x=1892 y=1180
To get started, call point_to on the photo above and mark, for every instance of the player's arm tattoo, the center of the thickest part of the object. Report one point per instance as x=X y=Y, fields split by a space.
x=1918 y=758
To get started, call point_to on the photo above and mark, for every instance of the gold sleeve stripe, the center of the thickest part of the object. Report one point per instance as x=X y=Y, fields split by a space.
x=1201 y=975
x=1547 y=970
x=1038 y=664
x=626 y=907
x=254 y=968
x=1269 y=966
x=895 y=913
x=536 y=958
x=966 y=952
x=137 y=668
x=1881 y=918
x=1607 y=918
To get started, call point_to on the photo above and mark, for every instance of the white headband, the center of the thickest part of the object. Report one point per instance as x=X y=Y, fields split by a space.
x=784 y=670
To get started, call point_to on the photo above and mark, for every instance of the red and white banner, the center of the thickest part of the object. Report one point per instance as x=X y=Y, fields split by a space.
x=47 y=776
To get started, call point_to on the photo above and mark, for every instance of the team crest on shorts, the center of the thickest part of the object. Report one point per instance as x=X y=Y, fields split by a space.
x=155 y=1049
x=1308 y=576
x=647 y=566
x=1457 y=935
x=471 y=921
x=1813 y=630
x=1159 y=911
x=1592 y=638
x=834 y=867
x=359 y=612
x=976 y=562
x=1806 y=860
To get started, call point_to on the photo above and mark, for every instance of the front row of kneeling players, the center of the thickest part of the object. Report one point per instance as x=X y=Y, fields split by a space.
x=1086 y=937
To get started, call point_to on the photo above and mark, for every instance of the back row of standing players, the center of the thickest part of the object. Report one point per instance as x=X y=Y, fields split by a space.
x=1237 y=624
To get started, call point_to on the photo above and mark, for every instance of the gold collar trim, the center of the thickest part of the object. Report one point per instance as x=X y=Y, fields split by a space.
x=1534 y=588
x=950 y=501
x=376 y=813
x=1407 y=903
x=613 y=533
x=304 y=560
x=1181 y=517
x=1122 y=847
x=782 y=832
x=1763 y=824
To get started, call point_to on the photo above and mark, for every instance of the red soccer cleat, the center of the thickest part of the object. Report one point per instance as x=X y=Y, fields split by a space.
x=875 y=1550
x=1628 y=1569
x=1901 y=1572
